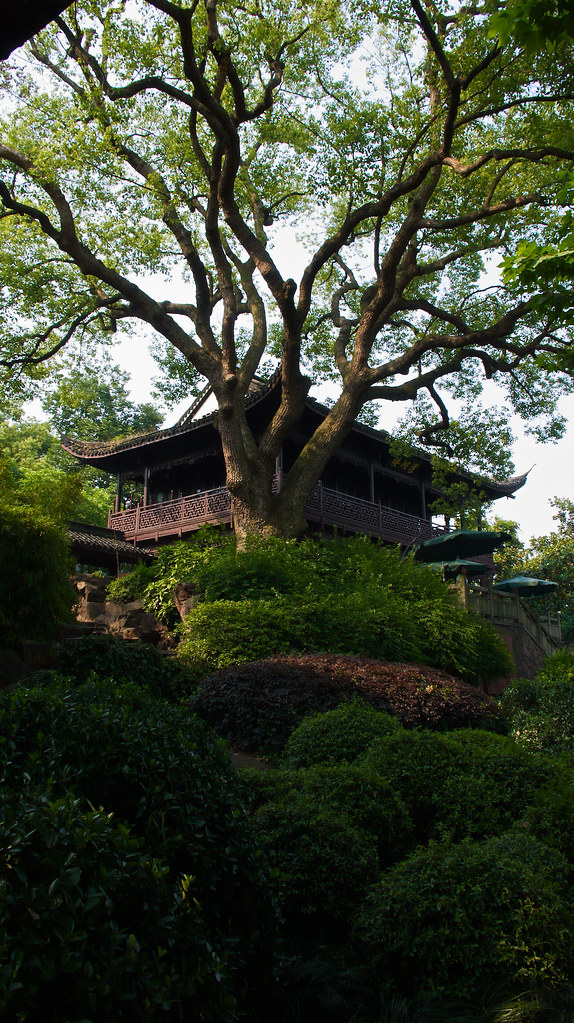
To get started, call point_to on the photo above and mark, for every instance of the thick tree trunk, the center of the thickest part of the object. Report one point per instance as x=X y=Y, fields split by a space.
x=256 y=509
x=266 y=518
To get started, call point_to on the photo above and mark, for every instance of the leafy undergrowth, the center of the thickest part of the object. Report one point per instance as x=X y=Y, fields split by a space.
x=257 y=705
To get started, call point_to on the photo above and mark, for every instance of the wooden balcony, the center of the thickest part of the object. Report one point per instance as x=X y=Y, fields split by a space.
x=326 y=508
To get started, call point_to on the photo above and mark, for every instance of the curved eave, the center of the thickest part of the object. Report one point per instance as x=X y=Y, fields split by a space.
x=116 y=455
x=503 y=488
x=125 y=454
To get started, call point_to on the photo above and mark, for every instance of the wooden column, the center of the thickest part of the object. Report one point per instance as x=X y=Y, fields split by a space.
x=146 y=487
x=118 y=500
x=372 y=482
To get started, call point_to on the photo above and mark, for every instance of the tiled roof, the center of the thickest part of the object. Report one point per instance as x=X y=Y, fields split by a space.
x=104 y=543
x=186 y=424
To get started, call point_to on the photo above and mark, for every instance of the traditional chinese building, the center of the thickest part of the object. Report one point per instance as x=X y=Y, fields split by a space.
x=171 y=482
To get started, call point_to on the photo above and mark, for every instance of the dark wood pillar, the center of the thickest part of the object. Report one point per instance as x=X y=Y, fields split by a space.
x=118 y=500
x=372 y=482
x=146 y=487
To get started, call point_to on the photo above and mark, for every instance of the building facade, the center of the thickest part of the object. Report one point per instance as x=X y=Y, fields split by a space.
x=171 y=482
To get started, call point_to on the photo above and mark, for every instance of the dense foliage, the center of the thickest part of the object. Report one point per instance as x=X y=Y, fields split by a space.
x=277 y=596
x=420 y=874
x=540 y=711
x=132 y=887
x=87 y=401
x=337 y=736
x=456 y=918
x=457 y=785
x=35 y=564
x=120 y=661
x=471 y=832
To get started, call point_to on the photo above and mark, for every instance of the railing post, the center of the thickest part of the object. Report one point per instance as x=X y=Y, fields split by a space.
x=320 y=485
x=137 y=526
x=380 y=521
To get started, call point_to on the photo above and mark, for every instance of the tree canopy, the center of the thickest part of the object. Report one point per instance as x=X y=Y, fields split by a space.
x=86 y=401
x=155 y=155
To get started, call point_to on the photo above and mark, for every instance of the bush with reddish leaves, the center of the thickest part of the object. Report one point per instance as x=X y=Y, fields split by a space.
x=258 y=705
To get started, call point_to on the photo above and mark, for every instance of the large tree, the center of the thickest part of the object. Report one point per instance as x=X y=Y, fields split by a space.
x=151 y=140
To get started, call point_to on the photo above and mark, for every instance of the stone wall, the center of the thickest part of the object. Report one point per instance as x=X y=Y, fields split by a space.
x=527 y=654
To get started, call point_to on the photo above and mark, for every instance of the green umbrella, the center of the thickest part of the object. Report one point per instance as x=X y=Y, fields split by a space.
x=460 y=544
x=525 y=586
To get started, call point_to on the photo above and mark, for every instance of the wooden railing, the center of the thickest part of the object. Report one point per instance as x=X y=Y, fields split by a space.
x=351 y=514
x=173 y=518
x=508 y=609
x=326 y=507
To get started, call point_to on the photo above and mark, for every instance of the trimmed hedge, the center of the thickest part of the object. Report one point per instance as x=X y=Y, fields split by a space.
x=258 y=705
x=456 y=919
x=358 y=794
x=337 y=736
x=380 y=625
x=203 y=892
x=119 y=660
x=324 y=865
x=467 y=784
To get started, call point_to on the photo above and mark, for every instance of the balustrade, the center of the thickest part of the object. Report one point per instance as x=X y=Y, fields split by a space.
x=328 y=508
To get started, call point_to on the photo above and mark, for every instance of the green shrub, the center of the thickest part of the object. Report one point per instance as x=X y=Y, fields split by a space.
x=261 y=568
x=258 y=705
x=92 y=926
x=359 y=795
x=35 y=568
x=559 y=667
x=382 y=626
x=280 y=596
x=161 y=774
x=501 y=781
x=337 y=736
x=416 y=764
x=540 y=711
x=121 y=661
x=131 y=585
x=462 y=785
x=460 y=642
x=324 y=866
x=179 y=563
x=457 y=918
x=550 y=817
x=227 y=632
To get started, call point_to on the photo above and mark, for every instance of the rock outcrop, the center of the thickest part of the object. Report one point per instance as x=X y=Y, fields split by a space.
x=128 y=621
